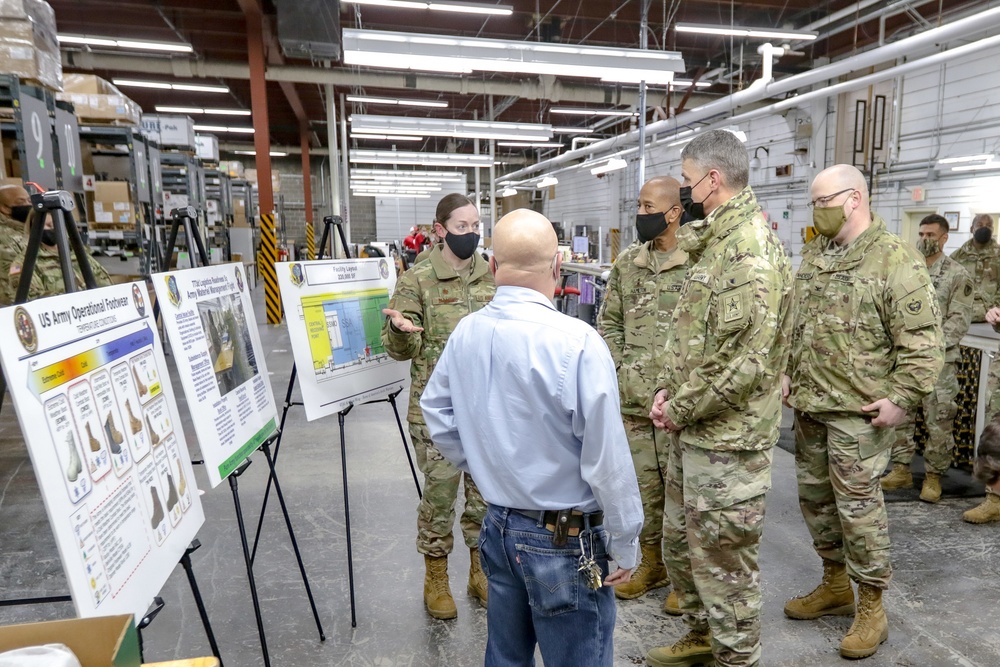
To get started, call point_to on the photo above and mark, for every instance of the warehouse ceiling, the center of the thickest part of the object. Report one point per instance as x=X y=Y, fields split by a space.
x=217 y=32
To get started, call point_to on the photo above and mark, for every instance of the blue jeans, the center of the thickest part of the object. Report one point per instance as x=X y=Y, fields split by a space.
x=538 y=596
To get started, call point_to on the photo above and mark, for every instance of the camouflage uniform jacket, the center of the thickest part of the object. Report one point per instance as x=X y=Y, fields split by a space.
x=728 y=342
x=47 y=279
x=10 y=223
x=954 y=292
x=867 y=325
x=638 y=306
x=434 y=296
x=983 y=264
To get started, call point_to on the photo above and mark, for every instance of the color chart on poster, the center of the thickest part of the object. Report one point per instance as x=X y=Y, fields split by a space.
x=333 y=309
x=89 y=383
x=210 y=323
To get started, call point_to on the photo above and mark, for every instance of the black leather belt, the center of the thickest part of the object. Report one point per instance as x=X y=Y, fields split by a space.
x=575 y=521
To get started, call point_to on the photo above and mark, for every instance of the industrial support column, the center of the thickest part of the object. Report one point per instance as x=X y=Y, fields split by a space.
x=307 y=192
x=331 y=138
x=262 y=147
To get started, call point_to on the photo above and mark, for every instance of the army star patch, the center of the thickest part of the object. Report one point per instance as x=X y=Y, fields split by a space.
x=733 y=303
x=915 y=306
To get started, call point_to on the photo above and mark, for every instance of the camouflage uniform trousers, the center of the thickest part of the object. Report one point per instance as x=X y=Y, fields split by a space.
x=713 y=519
x=839 y=459
x=993 y=387
x=649 y=448
x=436 y=512
x=940 y=409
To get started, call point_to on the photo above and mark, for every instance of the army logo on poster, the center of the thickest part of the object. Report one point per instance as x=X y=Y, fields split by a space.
x=383 y=268
x=239 y=278
x=25 y=329
x=138 y=301
x=173 y=293
x=296 y=272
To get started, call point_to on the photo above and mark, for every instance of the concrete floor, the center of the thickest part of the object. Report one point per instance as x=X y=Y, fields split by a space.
x=942 y=605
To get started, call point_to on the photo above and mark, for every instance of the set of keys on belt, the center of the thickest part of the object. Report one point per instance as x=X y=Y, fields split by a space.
x=588 y=565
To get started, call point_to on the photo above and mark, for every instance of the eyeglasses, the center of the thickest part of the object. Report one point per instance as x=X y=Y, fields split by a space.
x=823 y=202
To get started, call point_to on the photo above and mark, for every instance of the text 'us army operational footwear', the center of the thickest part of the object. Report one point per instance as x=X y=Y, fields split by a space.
x=478 y=586
x=650 y=574
x=870 y=627
x=833 y=597
x=986 y=512
x=692 y=650
x=437 y=594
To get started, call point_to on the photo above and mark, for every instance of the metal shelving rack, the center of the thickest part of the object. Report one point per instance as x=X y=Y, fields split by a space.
x=181 y=174
x=218 y=189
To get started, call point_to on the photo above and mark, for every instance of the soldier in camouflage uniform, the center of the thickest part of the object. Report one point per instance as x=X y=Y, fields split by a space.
x=726 y=347
x=14 y=206
x=635 y=315
x=47 y=279
x=988 y=511
x=866 y=348
x=980 y=256
x=429 y=300
x=953 y=289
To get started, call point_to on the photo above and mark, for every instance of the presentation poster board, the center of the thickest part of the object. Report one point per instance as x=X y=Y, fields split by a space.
x=210 y=324
x=333 y=309
x=88 y=380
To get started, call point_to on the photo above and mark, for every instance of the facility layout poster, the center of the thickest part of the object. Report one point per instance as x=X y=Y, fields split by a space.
x=334 y=313
x=87 y=376
x=211 y=327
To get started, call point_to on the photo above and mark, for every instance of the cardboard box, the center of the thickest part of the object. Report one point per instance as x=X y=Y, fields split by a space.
x=104 y=641
x=28 y=45
x=98 y=101
x=240 y=213
x=207 y=147
x=113 y=204
x=173 y=131
x=233 y=167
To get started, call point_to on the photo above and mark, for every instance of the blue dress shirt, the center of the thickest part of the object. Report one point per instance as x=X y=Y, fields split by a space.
x=525 y=399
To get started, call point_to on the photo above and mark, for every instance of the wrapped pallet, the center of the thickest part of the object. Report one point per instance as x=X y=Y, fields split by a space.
x=29 y=48
x=96 y=101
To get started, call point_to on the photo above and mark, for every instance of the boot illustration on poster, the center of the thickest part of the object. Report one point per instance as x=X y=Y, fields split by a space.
x=95 y=444
x=143 y=390
x=134 y=423
x=155 y=439
x=171 y=494
x=157 y=507
x=114 y=435
x=182 y=484
x=75 y=467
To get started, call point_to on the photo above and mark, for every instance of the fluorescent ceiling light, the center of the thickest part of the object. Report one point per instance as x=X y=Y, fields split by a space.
x=424 y=159
x=592 y=112
x=508 y=192
x=446 y=127
x=198 y=110
x=572 y=130
x=686 y=83
x=965 y=158
x=376 y=174
x=386 y=195
x=989 y=165
x=165 y=85
x=734 y=31
x=614 y=164
x=271 y=153
x=528 y=144
x=437 y=104
x=547 y=182
x=223 y=128
x=440 y=5
x=139 y=45
x=462 y=55
x=385 y=137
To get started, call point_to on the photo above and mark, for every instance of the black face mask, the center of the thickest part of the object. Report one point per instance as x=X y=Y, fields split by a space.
x=463 y=245
x=695 y=209
x=20 y=213
x=49 y=236
x=686 y=218
x=650 y=225
x=983 y=235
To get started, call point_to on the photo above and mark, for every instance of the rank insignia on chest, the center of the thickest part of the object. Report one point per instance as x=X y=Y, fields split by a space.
x=733 y=305
x=915 y=306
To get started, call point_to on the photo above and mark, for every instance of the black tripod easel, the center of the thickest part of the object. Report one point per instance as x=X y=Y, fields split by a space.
x=186 y=217
x=328 y=222
x=58 y=205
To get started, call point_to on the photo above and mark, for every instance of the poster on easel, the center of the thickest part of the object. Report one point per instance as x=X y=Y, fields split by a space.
x=333 y=309
x=87 y=376
x=210 y=323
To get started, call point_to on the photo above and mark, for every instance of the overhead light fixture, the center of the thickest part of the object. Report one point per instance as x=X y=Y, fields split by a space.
x=391 y=195
x=198 y=110
x=755 y=160
x=463 y=55
x=614 y=164
x=392 y=101
x=440 y=5
x=546 y=182
x=572 y=130
x=989 y=165
x=377 y=174
x=385 y=137
x=735 y=31
x=686 y=83
x=508 y=192
x=592 y=112
x=965 y=158
x=271 y=153
x=529 y=144
x=165 y=85
x=223 y=128
x=446 y=127
x=139 y=45
x=424 y=159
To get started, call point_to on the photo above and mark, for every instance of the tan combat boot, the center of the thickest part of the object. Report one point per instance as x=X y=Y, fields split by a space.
x=478 y=586
x=870 y=627
x=987 y=511
x=899 y=478
x=672 y=605
x=930 y=492
x=833 y=597
x=694 y=648
x=437 y=594
x=650 y=574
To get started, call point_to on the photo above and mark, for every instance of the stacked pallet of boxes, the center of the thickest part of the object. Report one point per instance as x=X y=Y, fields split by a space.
x=29 y=48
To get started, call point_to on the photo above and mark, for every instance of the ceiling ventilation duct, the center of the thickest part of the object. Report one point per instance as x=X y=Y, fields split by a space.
x=310 y=29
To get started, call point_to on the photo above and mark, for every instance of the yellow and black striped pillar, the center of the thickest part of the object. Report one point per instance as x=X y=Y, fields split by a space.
x=269 y=253
x=310 y=241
